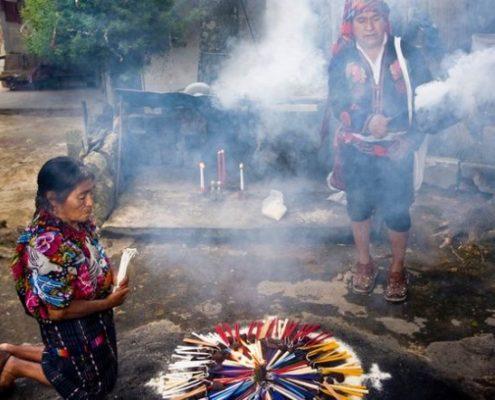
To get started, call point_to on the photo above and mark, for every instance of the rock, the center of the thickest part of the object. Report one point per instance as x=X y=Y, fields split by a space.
x=209 y=308
x=110 y=150
x=442 y=172
x=6 y=252
x=484 y=184
x=97 y=163
x=142 y=357
x=401 y=326
x=471 y=360
x=477 y=222
x=110 y=144
x=75 y=143
x=482 y=175
x=105 y=185
x=105 y=199
x=8 y=236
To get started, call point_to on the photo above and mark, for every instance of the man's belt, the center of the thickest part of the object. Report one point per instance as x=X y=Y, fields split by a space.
x=369 y=144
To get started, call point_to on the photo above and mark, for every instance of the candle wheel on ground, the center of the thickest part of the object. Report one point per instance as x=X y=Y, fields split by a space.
x=271 y=359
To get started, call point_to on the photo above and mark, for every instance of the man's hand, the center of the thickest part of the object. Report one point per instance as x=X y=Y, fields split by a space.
x=378 y=126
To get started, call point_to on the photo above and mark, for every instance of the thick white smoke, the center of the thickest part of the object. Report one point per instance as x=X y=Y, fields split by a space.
x=285 y=63
x=469 y=85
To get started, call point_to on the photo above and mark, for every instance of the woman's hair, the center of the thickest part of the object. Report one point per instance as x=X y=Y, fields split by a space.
x=60 y=175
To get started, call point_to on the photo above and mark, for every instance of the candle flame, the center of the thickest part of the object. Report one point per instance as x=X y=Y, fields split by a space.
x=202 y=164
x=241 y=165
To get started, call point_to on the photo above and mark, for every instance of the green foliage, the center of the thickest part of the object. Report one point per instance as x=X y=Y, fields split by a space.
x=116 y=35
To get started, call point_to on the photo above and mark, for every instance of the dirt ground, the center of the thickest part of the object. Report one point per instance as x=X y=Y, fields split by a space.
x=190 y=284
x=27 y=141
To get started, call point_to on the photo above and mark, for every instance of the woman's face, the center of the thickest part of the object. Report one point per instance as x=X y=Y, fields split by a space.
x=369 y=29
x=78 y=206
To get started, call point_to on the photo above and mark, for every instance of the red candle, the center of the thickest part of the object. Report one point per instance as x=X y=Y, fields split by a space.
x=221 y=168
x=224 y=169
x=219 y=165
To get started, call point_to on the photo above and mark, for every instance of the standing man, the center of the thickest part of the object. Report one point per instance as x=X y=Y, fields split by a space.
x=372 y=77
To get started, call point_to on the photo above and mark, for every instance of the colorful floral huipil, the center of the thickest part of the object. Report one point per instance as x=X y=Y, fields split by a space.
x=54 y=265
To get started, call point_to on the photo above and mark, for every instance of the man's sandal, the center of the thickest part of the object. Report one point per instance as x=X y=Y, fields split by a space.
x=363 y=280
x=396 y=291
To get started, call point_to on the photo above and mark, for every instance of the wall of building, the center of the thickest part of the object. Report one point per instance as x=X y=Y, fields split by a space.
x=174 y=70
x=211 y=39
x=12 y=36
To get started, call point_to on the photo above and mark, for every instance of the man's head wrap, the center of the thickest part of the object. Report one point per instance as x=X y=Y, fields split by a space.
x=352 y=9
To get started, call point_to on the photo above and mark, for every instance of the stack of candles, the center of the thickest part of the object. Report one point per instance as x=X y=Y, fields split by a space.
x=220 y=183
x=272 y=359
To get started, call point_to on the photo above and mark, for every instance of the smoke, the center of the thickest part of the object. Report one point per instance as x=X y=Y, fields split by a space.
x=285 y=63
x=467 y=88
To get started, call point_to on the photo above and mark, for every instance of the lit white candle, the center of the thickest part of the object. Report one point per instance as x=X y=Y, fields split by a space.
x=222 y=175
x=202 y=176
x=241 y=174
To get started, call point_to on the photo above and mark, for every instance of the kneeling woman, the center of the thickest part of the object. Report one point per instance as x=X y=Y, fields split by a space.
x=64 y=280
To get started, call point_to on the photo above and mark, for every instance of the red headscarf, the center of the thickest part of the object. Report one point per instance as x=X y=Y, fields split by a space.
x=352 y=9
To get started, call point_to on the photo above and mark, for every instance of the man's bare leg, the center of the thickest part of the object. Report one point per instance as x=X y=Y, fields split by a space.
x=361 y=233
x=398 y=241
x=364 y=277
x=396 y=290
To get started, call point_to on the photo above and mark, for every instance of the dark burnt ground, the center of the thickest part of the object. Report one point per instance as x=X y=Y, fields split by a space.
x=195 y=285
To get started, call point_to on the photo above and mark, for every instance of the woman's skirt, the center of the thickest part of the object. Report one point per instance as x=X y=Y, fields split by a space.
x=80 y=356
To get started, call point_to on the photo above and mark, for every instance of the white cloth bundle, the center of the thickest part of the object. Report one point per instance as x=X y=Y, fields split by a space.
x=273 y=206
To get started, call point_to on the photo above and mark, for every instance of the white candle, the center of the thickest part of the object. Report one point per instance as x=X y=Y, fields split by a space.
x=202 y=176
x=127 y=255
x=222 y=171
x=241 y=174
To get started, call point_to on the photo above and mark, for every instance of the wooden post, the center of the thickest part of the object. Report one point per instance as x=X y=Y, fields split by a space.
x=85 y=138
x=118 y=177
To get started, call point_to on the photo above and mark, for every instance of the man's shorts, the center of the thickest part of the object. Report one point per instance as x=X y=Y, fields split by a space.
x=378 y=184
